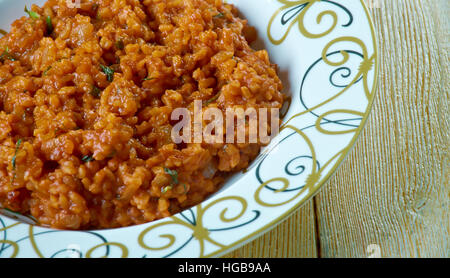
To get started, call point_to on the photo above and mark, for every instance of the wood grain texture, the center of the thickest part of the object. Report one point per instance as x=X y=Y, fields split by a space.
x=295 y=237
x=393 y=190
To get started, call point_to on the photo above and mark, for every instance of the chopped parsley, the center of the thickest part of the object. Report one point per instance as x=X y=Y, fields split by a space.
x=33 y=15
x=13 y=161
x=7 y=55
x=112 y=154
x=120 y=45
x=219 y=15
x=87 y=158
x=212 y=99
x=46 y=71
x=148 y=78
x=166 y=188
x=96 y=91
x=49 y=23
x=109 y=72
x=173 y=174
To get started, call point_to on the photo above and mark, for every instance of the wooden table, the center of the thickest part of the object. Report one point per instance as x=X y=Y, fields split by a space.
x=390 y=198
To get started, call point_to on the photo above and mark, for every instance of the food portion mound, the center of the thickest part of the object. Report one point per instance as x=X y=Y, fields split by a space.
x=86 y=96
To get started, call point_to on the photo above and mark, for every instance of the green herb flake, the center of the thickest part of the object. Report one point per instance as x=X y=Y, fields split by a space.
x=46 y=71
x=119 y=45
x=208 y=102
x=7 y=55
x=173 y=174
x=49 y=23
x=219 y=15
x=33 y=15
x=109 y=72
x=148 y=78
x=112 y=154
x=96 y=91
x=87 y=158
x=166 y=189
x=13 y=161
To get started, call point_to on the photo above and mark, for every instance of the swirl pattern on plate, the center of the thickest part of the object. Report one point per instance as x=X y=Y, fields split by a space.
x=288 y=172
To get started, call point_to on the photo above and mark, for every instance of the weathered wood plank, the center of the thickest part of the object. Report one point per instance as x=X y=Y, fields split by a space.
x=295 y=237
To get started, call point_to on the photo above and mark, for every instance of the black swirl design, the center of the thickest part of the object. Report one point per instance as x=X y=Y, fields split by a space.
x=5 y=236
x=194 y=221
x=297 y=10
x=290 y=168
x=345 y=73
x=71 y=251
x=4 y=247
x=350 y=15
x=291 y=13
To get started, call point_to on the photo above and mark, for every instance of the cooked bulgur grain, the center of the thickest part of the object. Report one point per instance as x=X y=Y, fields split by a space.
x=86 y=96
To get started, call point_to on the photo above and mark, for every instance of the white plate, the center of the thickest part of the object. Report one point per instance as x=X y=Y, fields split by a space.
x=327 y=56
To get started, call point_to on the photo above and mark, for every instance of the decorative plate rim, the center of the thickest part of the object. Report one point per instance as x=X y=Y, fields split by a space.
x=332 y=172
x=314 y=189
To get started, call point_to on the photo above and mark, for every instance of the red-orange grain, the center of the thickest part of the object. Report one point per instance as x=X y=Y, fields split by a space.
x=165 y=54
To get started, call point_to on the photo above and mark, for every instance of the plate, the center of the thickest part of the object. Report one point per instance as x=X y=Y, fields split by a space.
x=327 y=57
